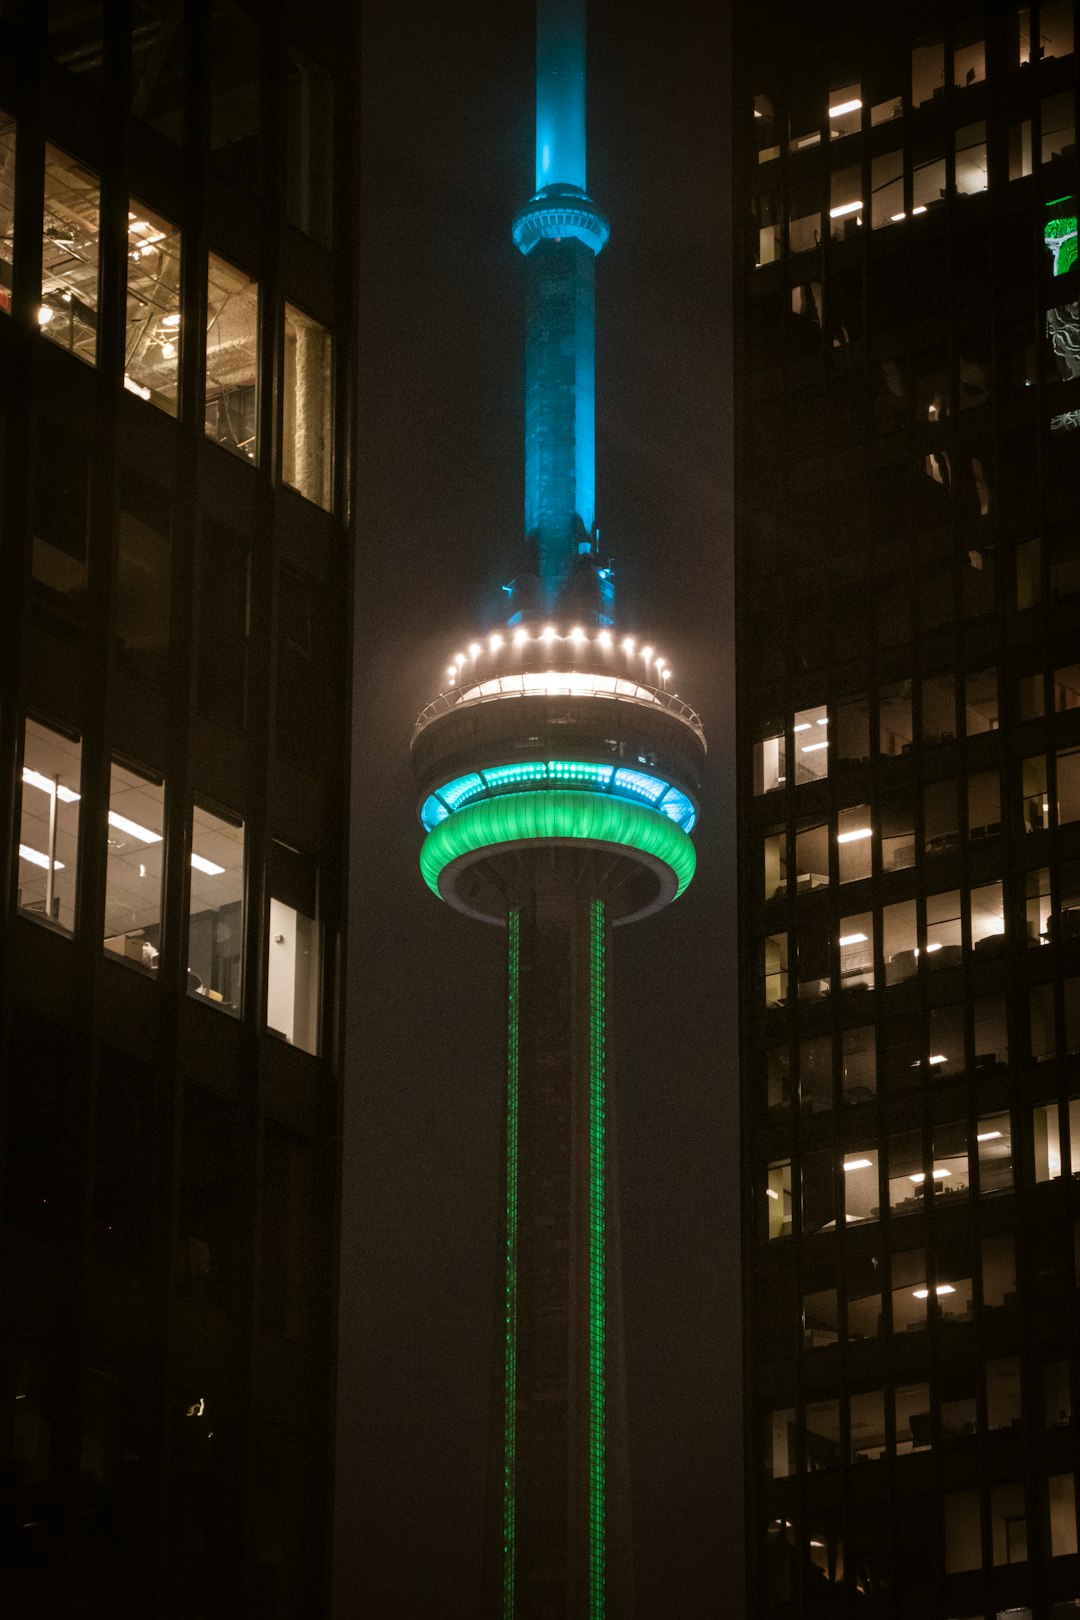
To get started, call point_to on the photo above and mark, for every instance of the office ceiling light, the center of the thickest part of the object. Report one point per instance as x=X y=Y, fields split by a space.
x=35 y=779
x=172 y=320
x=133 y=829
x=770 y=1192
x=804 y=725
x=988 y=1136
x=36 y=858
x=843 y=209
x=936 y=1175
x=853 y=939
x=858 y=1164
x=854 y=835
x=135 y=388
x=814 y=748
x=201 y=864
x=938 y=1057
x=845 y=107
x=942 y=1288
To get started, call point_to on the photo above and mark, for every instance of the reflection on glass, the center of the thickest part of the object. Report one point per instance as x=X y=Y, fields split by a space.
x=293 y=971
x=927 y=70
x=157 y=65
x=7 y=207
x=307 y=434
x=232 y=358
x=76 y=31
x=1008 y=1523
x=134 y=867
x=49 y=825
x=68 y=315
x=309 y=147
x=152 y=339
x=216 y=910
x=780 y=1443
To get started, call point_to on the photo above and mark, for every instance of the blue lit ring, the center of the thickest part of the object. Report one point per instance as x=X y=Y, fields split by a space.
x=621 y=781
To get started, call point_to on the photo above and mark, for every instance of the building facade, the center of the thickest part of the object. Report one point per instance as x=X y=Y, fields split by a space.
x=908 y=554
x=176 y=287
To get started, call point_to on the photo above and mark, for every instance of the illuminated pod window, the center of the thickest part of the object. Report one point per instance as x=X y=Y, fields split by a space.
x=1037 y=900
x=152 y=338
x=944 y=934
x=49 y=825
x=1068 y=785
x=770 y=763
x=307 y=431
x=860 y=1186
x=987 y=917
x=969 y=56
x=135 y=866
x=899 y=941
x=294 y=950
x=775 y=970
x=68 y=314
x=927 y=70
x=855 y=942
x=845 y=202
x=887 y=189
x=777 y=1199
x=232 y=358
x=845 y=111
x=971 y=159
x=765 y=130
x=216 y=911
x=854 y=841
x=993 y=1137
x=7 y=207
x=811 y=744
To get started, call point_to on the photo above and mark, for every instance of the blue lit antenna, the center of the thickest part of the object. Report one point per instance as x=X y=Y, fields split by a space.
x=560 y=231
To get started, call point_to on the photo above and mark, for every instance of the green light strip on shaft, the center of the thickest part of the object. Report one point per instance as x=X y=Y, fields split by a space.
x=597 y=1392
x=513 y=1035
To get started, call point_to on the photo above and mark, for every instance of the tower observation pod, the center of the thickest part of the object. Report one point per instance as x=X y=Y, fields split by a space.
x=559 y=781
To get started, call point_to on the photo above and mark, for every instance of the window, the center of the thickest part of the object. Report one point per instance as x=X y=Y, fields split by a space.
x=209 y=1178
x=1058 y=126
x=1066 y=921
x=998 y=1271
x=938 y=709
x=307 y=440
x=909 y=1291
x=845 y=111
x=811 y=744
x=818 y=1191
x=1055 y=29
x=854 y=837
x=981 y=702
x=950 y=1167
x=76 y=29
x=49 y=825
x=928 y=176
x=1066 y=689
x=134 y=867
x=811 y=858
x=895 y=730
x=1056 y=1395
x=61 y=526
x=804 y=123
x=780 y=1444
x=804 y=213
x=125 y=1169
x=1037 y=899
x=907 y=1177
x=864 y=1274
x=984 y=804
x=142 y=583
x=822 y=1435
x=1068 y=785
x=68 y=315
x=775 y=970
x=815 y=1074
x=913 y=1418
x=927 y=70
x=987 y=917
x=944 y=946
x=232 y=358
x=157 y=66
x=969 y=57
x=224 y=622
x=216 y=910
x=852 y=740
x=820 y=1311
x=7 y=208
x=1008 y=1524
x=887 y=189
x=304 y=694
x=152 y=341
x=1046 y=1136
x=963 y=1539
x=897 y=830
x=289 y=1275
x=862 y=1201
x=899 y=941
x=769 y=764
x=768 y=218
x=855 y=942
x=1061 y=1500
x=858 y=1064
x=778 y=1199
x=294 y=967
x=946 y=1041
x=1036 y=801
x=778 y=1086
x=971 y=159
x=235 y=79
x=941 y=817
x=993 y=1135
x=309 y=147
x=775 y=864
x=845 y=202
x=1028 y=574
x=1020 y=163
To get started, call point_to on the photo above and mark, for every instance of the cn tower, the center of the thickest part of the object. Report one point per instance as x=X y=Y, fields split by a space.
x=558 y=777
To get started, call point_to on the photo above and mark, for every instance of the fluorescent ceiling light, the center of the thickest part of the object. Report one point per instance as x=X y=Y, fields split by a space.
x=814 y=748
x=845 y=107
x=35 y=779
x=824 y=722
x=842 y=209
x=172 y=320
x=894 y=219
x=938 y=1057
x=854 y=835
x=769 y=1193
x=937 y=1175
x=143 y=834
x=988 y=1136
x=858 y=1164
x=931 y=948
x=803 y=726
x=135 y=388
x=920 y=209
x=201 y=864
x=942 y=1288
x=853 y=939
x=36 y=858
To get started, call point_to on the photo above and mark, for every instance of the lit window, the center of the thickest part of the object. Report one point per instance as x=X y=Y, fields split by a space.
x=232 y=358
x=907 y=1174
x=897 y=814
x=909 y=1291
x=309 y=147
x=1068 y=785
x=971 y=159
x=1058 y=126
x=987 y=917
x=307 y=437
x=68 y=314
x=768 y=219
x=944 y=938
x=1008 y=1524
x=804 y=124
x=134 y=867
x=854 y=842
x=1055 y=30
x=855 y=942
x=770 y=763
x=1046 y=1134
x=950 y=1175
x=927 y=177
x=49 y=825
x=862 y=1200
x=1037 y=895
x=811 y=744
x=927 y=71
x=294 y=959
x=899 y=941
x=7 y=208
x=845 y=111
x=883 y=112
x=778 y=1199
x=804 y=213
x=775 y=971
x=1036 y=800
x=152 y=340
x=775 y=865
x=845 y=202
x=216 y=910
x=887 y=189
x=1066 y=689
x=1061 y=1502
x=993 y=1136
x=1020 y=164
x=811 y=858
x=969 y=57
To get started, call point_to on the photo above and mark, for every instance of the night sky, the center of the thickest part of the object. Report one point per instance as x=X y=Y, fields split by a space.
x=447 y=117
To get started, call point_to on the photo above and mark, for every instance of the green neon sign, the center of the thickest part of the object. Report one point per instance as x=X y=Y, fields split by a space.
x=1060 y=237
x=597 y=1281
x=513 y=1038
x=571 y=814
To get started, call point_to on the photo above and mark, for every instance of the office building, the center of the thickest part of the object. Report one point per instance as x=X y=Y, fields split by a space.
x=176 y=286
x=558 y=778
x=908 y=555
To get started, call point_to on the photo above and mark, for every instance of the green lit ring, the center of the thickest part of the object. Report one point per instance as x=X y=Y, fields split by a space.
x=559 y=815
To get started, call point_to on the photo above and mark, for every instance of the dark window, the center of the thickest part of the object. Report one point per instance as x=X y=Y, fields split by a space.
x=143 y=558
x=125 y=1180
x=290 y=1259
x=235 y=77
x=209 y=1168
x=157 y=65
x=309 y=147
x=61 y=525
x=37 y=1183
x=224 y=622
